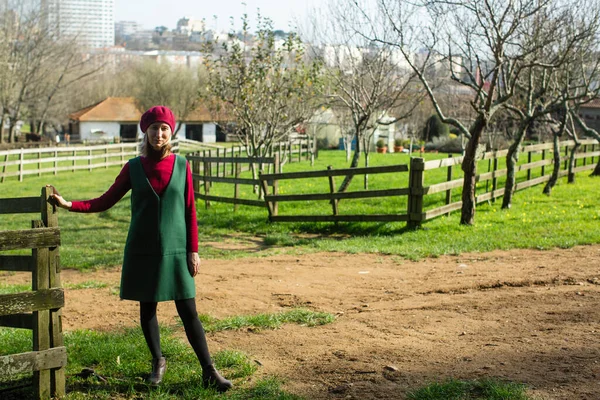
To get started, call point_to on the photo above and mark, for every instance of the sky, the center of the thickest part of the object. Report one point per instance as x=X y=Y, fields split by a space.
x=153 y=13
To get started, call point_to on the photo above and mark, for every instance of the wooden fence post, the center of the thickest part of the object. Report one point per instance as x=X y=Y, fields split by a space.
x=21 y=165
x=196 y=171
x=74 y=154
x=334 y=202
x=236 y=187
x=276 y=184
x=50 y=219
x=39 y=164
x=206 y=183
x=495 y=179
x=529 y=162
x=218 y=152
x=448 y=179
x=41 y=319
x=415 y=198
x=4 y=166
x=543 y=158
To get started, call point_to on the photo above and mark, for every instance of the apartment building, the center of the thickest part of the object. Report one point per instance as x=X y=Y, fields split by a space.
x=91 y=22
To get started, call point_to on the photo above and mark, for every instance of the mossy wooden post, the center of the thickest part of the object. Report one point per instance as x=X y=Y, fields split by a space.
x=50 y=220
x=415 y=198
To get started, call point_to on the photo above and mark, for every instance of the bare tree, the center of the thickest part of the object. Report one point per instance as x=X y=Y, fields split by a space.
x=561 y=38
x=481 y=46
x=38 y=65
x=265 y=86
x=364 y=77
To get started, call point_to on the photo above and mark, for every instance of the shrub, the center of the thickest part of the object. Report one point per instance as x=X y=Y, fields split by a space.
x=434 y=127
x=380 y=144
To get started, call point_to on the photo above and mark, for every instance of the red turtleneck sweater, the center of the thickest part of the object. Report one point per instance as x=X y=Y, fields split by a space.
x=158 y=173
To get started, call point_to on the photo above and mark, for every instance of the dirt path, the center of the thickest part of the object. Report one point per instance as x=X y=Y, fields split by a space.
x=526 y=316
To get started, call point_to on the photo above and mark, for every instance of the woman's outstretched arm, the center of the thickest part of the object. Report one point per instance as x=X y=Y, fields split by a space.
x=115 y=193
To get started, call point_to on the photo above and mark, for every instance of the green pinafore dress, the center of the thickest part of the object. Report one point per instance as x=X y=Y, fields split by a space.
x=155 y=260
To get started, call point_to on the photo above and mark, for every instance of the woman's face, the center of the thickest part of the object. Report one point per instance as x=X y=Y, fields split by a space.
x=159 y=134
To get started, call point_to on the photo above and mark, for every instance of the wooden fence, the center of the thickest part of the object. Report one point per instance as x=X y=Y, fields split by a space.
x=39 y=309
x=225 y=165
x=489 y=182
x=202 y=175
x=418 y=195
x=52 y=160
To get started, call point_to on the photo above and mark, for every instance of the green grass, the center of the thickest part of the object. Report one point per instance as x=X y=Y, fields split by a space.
x=485 y=389
x=567 y=218
x=298 y=316
x=17 y=288
x=123 y=360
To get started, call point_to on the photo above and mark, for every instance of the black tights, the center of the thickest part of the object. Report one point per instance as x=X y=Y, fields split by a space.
x=193 y=329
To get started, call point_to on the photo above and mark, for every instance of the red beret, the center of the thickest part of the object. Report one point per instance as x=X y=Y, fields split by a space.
x=157 y=114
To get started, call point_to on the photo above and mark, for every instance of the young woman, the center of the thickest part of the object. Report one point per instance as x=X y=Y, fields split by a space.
x=161 y=253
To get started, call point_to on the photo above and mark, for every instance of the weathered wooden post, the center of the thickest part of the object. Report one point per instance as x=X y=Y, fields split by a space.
x=529 y=162
x=334 y=202
x=276 y=167
x=415 y=198
x=236 y=187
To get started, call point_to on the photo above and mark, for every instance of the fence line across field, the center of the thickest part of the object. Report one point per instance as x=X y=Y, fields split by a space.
x=52 y=160
x=40 y=308
x=421 y=206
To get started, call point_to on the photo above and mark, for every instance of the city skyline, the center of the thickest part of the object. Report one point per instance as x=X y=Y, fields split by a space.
x=285 y=14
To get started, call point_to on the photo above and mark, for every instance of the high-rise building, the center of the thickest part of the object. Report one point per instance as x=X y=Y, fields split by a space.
x=91 y=22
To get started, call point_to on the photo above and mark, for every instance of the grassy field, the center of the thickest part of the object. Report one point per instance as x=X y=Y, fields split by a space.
x=567 y=218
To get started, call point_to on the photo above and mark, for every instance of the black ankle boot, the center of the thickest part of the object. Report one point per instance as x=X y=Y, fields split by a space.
x=159 y=366
x=212 y=378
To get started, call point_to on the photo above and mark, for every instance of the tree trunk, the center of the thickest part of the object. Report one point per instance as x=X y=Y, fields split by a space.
x=354 y=164
x=348 y=143
x=571 y=175
x=596 y=171
x=469 y=167
x=512 y=158
x=12 y=129
x=366 y=176
x=2 y=119
x=556 y=161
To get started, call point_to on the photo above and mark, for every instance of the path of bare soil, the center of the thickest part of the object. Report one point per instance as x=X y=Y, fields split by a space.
x=526 y=316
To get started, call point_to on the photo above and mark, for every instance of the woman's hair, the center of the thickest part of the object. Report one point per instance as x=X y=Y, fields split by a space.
x=148 y=151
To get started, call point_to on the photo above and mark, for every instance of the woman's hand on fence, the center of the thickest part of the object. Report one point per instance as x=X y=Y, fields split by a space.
x=58 y=199
x=193 y=262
